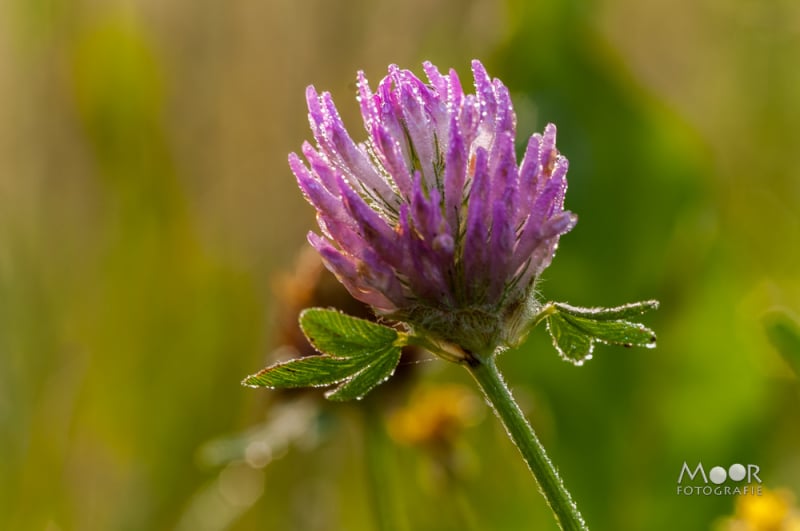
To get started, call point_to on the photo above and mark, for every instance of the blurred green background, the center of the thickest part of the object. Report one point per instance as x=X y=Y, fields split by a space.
x=146 y=209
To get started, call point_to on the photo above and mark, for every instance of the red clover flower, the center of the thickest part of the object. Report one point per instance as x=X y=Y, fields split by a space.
x=431 y=221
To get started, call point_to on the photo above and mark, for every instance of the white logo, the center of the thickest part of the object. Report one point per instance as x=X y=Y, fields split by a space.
x=718 y=476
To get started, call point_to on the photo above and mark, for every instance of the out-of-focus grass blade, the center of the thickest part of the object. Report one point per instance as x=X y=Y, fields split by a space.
x=783 y=332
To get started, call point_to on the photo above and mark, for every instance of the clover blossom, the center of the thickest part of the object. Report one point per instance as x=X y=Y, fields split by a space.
x=431 y=221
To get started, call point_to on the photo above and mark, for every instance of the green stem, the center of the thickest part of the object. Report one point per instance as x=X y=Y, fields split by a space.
x=558 y=498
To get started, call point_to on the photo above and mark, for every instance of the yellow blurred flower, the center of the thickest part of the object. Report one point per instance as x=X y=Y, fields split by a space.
x=434 y=416
x=774 y=510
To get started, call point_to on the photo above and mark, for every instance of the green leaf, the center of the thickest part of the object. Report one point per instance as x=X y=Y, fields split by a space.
x=618 y=332
x=625 y=311
x=575 y=331
x=311 y=371
x=570 y=344
x=378 y=371
x=783 y=332
x=332 y=332
x=356 y=353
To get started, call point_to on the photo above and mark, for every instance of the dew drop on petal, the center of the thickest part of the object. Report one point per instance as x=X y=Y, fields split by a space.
x=444 y=243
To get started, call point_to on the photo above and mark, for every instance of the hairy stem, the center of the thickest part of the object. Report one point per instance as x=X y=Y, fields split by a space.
x=521 y=433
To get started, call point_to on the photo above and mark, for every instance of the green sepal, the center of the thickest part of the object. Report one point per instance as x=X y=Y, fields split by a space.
x=575 y=331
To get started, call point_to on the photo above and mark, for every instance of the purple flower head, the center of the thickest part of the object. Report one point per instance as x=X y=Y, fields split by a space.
x=431 y=220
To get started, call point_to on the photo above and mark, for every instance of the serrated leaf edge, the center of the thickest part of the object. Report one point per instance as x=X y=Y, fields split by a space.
x=280 y=364
x=331 y=394
x=599 y=313
x=592 y=339
x=397 y=334
x=640 y=326
x=563 y=355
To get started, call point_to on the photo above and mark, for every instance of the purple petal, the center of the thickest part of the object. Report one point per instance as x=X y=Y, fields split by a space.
x=381 y=276
x=531 y=233
x=502 y=243
x=426 y=213
x=315 y=115
x=353 y=158
x=455 y=93
x=455 y=173
x=391 y=116
x=391 y=156
x=404 y=234
x=315 y=192
x=503 y=167
x=428 y=277
x=559 y=174
x=537 y=262
x=345 y=234
x=436 y=78
x=530 y=174
x=367 y=101
x=435 y=107
x=548 y=154
x=322 y=168
x=469 y=119
x=444 y=244
x=484 y=90
x=346 y=271
x=530 y=168
x=543 y=254
x=475 y=257
x=480 y=187
x=477 y=230
x=373 y=228
x=506 y=119
x=418 y=127
x=560 y=224
x=535 y=229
